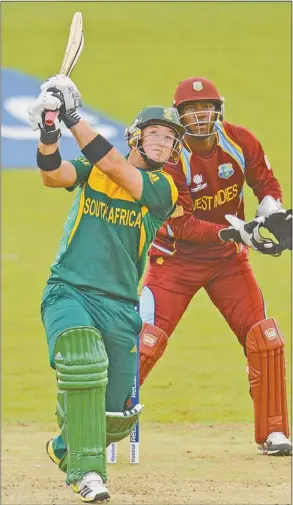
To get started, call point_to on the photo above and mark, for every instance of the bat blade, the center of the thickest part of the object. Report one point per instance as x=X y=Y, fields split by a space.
x=72 y=53
x=74 y=45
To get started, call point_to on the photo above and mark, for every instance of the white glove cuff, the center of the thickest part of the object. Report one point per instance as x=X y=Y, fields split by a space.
x=269 y=206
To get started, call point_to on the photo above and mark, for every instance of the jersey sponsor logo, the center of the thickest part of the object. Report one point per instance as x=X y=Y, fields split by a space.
x=271 y=334
x=149 y=340
x=197 y=179
x=115 y=215
x=220 y=198
x=153 y=177
x=84 y=161
x=225 y=171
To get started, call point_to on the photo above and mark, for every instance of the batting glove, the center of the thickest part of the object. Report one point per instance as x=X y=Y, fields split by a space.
x=71 y=94
x=36 y=116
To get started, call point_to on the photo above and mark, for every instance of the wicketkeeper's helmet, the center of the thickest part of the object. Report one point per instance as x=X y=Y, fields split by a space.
x=197 y=89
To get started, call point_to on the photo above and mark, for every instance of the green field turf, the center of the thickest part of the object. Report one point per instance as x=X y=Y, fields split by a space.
x=134 y=56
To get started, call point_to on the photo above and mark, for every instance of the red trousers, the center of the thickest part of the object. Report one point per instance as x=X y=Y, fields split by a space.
x=171 y=283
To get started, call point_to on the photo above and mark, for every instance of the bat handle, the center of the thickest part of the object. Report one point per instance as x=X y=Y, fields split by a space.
x=50 y=117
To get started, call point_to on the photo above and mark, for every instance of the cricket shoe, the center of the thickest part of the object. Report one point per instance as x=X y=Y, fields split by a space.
x=277 y=444
x=51 y=453
x=91 y=488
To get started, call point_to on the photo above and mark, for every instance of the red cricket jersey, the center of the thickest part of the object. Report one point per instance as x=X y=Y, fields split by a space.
x=210 y=187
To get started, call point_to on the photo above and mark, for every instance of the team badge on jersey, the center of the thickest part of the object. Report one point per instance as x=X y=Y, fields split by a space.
x=198 y=180
x=197 y=86
x=225 y=171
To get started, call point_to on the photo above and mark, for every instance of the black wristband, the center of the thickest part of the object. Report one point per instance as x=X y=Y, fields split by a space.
x=49 y=162
x=96 y=149
x=49 y=137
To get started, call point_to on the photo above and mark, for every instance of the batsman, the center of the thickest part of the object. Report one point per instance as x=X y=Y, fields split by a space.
x=89 y=305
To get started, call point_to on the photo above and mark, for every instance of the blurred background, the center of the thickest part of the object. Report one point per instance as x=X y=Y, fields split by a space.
x=134 y=56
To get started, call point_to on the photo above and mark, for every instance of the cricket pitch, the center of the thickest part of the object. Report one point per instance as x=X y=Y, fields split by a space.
x=179 y=464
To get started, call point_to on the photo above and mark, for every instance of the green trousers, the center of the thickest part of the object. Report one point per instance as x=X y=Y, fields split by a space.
x=64 y=307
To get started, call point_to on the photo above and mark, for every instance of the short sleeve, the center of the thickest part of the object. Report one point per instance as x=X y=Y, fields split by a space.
x=159 y=192
x=83 y=169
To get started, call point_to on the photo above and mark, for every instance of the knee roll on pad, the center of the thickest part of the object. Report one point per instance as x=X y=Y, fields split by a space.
x=81 y=367
x=152 y=344
x=266 y=372
x=81 y=360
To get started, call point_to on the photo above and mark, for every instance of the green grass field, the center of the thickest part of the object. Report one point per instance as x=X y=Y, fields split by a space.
x=134 y=55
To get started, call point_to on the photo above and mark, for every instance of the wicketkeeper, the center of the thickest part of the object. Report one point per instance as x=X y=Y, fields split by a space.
x=90 y=300
x=205 y=245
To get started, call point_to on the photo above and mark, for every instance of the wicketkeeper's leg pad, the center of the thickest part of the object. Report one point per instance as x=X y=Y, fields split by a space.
x=152 y=344
x=81 y=366
x=121 y=424
x=266 y=372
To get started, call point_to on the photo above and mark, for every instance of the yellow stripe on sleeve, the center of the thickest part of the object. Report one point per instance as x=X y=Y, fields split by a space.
x=174 y=190
x=99 y=181
x=142 y=239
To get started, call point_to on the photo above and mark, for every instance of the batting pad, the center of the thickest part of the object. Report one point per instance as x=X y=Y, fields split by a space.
x=81 y=365
x=152 y=344
x=267 y=378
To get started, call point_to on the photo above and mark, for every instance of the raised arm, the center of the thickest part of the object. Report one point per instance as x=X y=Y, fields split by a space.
x=64 y=176
x=60 y=93
x=108 y=159
x=54 y=172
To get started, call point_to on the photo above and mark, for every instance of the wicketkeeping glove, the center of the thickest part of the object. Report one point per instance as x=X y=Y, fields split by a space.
x=250 y=235
x=280 y=225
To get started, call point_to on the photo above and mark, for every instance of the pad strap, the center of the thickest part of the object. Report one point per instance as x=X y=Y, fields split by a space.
x=121 y=424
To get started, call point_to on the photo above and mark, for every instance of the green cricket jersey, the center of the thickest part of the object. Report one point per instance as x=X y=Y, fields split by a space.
x=107 y=232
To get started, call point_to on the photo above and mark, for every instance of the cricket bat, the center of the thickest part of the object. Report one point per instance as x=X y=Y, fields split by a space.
x=72 y=53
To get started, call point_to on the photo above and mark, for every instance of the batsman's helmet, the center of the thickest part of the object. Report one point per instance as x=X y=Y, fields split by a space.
x=156 y=115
